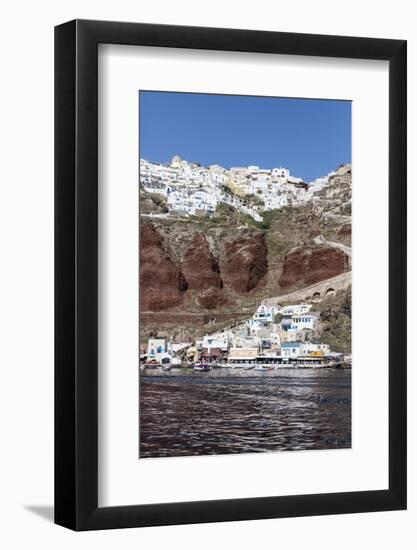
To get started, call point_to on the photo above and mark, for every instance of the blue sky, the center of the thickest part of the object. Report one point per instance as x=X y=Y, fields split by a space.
x=310 y=137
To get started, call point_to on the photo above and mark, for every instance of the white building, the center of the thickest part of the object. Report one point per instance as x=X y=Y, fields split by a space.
x=280 y=173
x=217 y=340
x=301 y=349
x=192 y=189
x=299 y=322
x=156 y=345
x=303 y=321
x=291 y=349
x=265 y=314
x=296 y=309
x=275 y=202
x=315 y=349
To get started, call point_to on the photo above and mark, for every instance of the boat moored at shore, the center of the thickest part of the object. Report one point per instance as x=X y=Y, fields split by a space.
x=200 y=367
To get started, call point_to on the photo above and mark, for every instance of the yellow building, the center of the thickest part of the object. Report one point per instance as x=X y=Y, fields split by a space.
x=192 y=353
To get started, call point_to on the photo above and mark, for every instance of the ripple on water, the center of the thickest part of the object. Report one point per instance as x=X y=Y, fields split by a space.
x=213 y=414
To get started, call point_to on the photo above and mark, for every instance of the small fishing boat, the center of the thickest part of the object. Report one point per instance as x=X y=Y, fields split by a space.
x=264 y=367
x=201 y=367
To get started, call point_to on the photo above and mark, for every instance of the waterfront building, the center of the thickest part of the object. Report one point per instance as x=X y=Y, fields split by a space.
x=211 y=355
x=241 y=354
x=301 y=349
x=156 y=345
x=316 y=349
x=253 y=340
x=291 y=349
x=218 y=340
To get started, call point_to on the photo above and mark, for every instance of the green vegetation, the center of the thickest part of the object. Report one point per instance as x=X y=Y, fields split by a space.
x=227 y=215
x=278 y=318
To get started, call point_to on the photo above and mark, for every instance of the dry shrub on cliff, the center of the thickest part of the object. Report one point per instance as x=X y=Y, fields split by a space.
x=336 y=320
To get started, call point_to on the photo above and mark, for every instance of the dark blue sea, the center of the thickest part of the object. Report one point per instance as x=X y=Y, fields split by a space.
x=244 y=412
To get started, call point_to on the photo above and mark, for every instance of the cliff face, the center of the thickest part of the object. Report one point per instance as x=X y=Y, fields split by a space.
x=245 y=262
x=162 y=284
x=200 y=267
x=308 y=265
x=187 y=269
x=202 y=273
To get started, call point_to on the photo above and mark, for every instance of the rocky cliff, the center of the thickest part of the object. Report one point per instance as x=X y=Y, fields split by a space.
x=311 y=264
x=229 y=262
x=245 y=262
x=335 y=324
x=180 y=265
x=162 y=284
x=199 y=266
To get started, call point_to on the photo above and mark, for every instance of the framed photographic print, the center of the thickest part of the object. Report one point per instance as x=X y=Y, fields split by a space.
x=230 y=275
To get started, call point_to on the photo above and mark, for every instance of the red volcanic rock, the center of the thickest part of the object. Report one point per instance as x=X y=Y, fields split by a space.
x=161 y=282
x=245 y=262
x=149 y=236
x=212 y=299
x=306 y=266
x=200 y=267
x=345 y=231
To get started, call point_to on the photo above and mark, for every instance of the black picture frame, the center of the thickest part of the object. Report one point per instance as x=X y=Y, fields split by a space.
x=76 y=272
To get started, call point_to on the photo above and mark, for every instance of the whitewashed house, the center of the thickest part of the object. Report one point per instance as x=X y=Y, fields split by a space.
x=265 y=314
x=276 y=188
x=217 y=340
x=296 y=309
x=302 y=322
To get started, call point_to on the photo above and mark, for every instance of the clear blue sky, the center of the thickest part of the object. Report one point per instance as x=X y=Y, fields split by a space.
x=311 y=137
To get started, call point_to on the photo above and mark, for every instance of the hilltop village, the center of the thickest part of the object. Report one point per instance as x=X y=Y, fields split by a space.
x=190 y=189
x=272 y=338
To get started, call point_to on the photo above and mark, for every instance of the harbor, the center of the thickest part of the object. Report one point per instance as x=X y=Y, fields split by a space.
x=267 y=383
x=274 y=338
x=230 y=369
